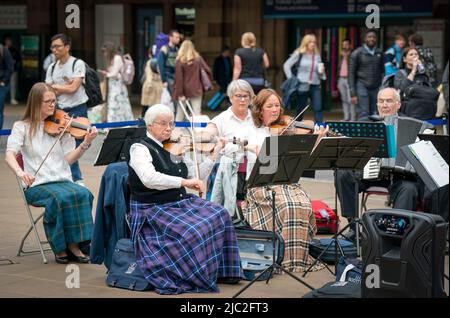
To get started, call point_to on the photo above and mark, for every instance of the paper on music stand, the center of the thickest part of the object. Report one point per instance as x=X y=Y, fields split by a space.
x=432 y=161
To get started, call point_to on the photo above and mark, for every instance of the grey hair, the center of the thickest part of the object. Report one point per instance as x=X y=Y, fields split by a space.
x=396 y=93
x=240 y=85
x=155 y=111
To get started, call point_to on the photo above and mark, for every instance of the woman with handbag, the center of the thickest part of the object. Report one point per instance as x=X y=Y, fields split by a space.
x=419 y=98
x=118 y=104
x=250 y=63
x=192 y=75
x=310 y=71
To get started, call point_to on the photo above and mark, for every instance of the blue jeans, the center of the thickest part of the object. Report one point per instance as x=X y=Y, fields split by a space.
x=367 y=101
x=3 y=91
x=315 y=95
x=77 y=111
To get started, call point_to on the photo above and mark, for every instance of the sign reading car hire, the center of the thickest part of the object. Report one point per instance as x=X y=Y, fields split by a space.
x=293 y=9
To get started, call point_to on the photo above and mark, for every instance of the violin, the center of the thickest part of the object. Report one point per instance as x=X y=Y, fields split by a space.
x=55 y=124
x=180 y=145
x=287 y=125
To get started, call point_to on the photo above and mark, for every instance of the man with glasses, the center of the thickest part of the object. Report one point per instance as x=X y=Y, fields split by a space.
x=404 y=191
x=66 y=76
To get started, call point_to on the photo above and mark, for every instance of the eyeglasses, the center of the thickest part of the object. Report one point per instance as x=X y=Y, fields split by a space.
x=49 y=102
x=388 y=101
x=56 y=47
x=244 y=97
x=165 y=124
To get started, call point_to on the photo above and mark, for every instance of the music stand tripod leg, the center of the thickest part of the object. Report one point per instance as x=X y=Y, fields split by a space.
x=274 y=265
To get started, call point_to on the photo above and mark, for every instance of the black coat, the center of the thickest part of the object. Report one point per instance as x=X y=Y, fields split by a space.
x=221 y=74
x=365 y=68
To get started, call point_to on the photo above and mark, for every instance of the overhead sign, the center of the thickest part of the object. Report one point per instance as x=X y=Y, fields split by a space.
x=313 y=9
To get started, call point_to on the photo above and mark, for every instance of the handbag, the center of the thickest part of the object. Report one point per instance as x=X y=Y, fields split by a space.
x=124 y=272
x=303 y=87
x=206 y=82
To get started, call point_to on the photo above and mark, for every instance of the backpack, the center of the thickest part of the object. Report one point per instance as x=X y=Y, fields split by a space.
x=419 y=101
x=91 y=85
x=124 y=272
x=160 y=41
x=128 y=70
x=388 y=81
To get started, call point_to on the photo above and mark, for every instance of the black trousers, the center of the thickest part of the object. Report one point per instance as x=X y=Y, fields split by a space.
x=404 y=193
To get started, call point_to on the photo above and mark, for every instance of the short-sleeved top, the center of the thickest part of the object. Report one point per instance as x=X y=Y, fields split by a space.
x=229 y=125
x=256 y=137
x=251 y=61
x=61 y=71
x=55 y=168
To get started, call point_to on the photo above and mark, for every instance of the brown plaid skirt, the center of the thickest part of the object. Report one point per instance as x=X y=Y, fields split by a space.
x=294 y=220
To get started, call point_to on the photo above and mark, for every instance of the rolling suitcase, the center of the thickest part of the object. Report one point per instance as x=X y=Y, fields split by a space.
x=327 y=220
x=255 y=250
x=216 y=100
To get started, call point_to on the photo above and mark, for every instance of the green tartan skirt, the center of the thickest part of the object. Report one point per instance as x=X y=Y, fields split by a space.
x=68 y=212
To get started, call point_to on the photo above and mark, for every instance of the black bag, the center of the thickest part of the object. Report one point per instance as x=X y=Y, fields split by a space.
x=419 y=101
x=91 y=85
x=317 y=246
x=124 y=272
x=349 y=270
x=294 y=68
x=336 y=290
x=255 y=250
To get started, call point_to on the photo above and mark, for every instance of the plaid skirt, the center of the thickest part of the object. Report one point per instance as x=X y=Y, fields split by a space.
x=184 y=246
x=294 y=220
x=68 y=212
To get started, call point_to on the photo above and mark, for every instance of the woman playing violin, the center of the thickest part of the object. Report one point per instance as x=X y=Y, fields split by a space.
x=183 y=243
x=295 y=217
x=68 y=206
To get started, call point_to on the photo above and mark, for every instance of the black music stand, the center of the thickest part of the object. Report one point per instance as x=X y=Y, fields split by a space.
x=117 y=144
x=334 y=153
x=291 y=154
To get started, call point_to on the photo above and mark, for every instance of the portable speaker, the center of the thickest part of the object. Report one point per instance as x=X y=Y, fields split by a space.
x=408 y=248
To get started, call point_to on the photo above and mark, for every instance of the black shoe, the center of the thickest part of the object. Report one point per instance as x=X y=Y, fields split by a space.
x=78 y=259
x=228 y=280
x=62 y=259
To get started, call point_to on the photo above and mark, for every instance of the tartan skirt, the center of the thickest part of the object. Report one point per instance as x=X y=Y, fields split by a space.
x=184 y=246
x=68 y=212
x=294 y=219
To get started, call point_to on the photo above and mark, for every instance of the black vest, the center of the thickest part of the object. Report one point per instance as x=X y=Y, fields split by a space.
x=165 y=163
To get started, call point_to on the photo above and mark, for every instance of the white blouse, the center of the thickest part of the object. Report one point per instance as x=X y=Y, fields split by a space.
x=55 y=168
x=141 y=162
x=256 y=137
x=113 y=71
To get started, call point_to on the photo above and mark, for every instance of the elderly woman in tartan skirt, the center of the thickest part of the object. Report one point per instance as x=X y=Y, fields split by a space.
x=295 y=219
x=182 y=242
x=68 y=206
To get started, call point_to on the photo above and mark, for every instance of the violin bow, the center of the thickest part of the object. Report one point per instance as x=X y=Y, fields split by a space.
x=293 y=121
x=54 y=144
x=191 y=130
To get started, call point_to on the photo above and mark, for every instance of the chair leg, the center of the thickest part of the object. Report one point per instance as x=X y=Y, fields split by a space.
x=38 y=239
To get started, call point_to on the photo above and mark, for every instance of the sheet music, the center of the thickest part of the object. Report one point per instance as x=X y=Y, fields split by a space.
x=432 y=161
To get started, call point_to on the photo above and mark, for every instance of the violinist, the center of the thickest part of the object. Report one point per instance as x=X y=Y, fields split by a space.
x=68 y=206
x=182 y=242
x=295 y=217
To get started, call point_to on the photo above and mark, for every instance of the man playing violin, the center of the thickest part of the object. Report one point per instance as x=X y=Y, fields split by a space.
x=295 y=218
x=68 y=206
x=183 y=243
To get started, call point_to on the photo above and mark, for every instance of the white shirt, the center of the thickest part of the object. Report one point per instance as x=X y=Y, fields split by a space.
x=65 y=70
x=141 y=162
x=55 y=168
x=114 y=69
x=229 y=126
x=256 y=137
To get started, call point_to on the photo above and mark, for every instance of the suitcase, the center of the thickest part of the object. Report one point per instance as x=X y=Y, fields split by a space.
x=317 y=246
x=255 y=250
x=327 y=220
x=216 y=100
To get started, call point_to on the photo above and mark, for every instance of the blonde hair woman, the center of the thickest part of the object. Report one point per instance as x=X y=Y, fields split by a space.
x=310 y=71
x=188 y=83
x=250 y=62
